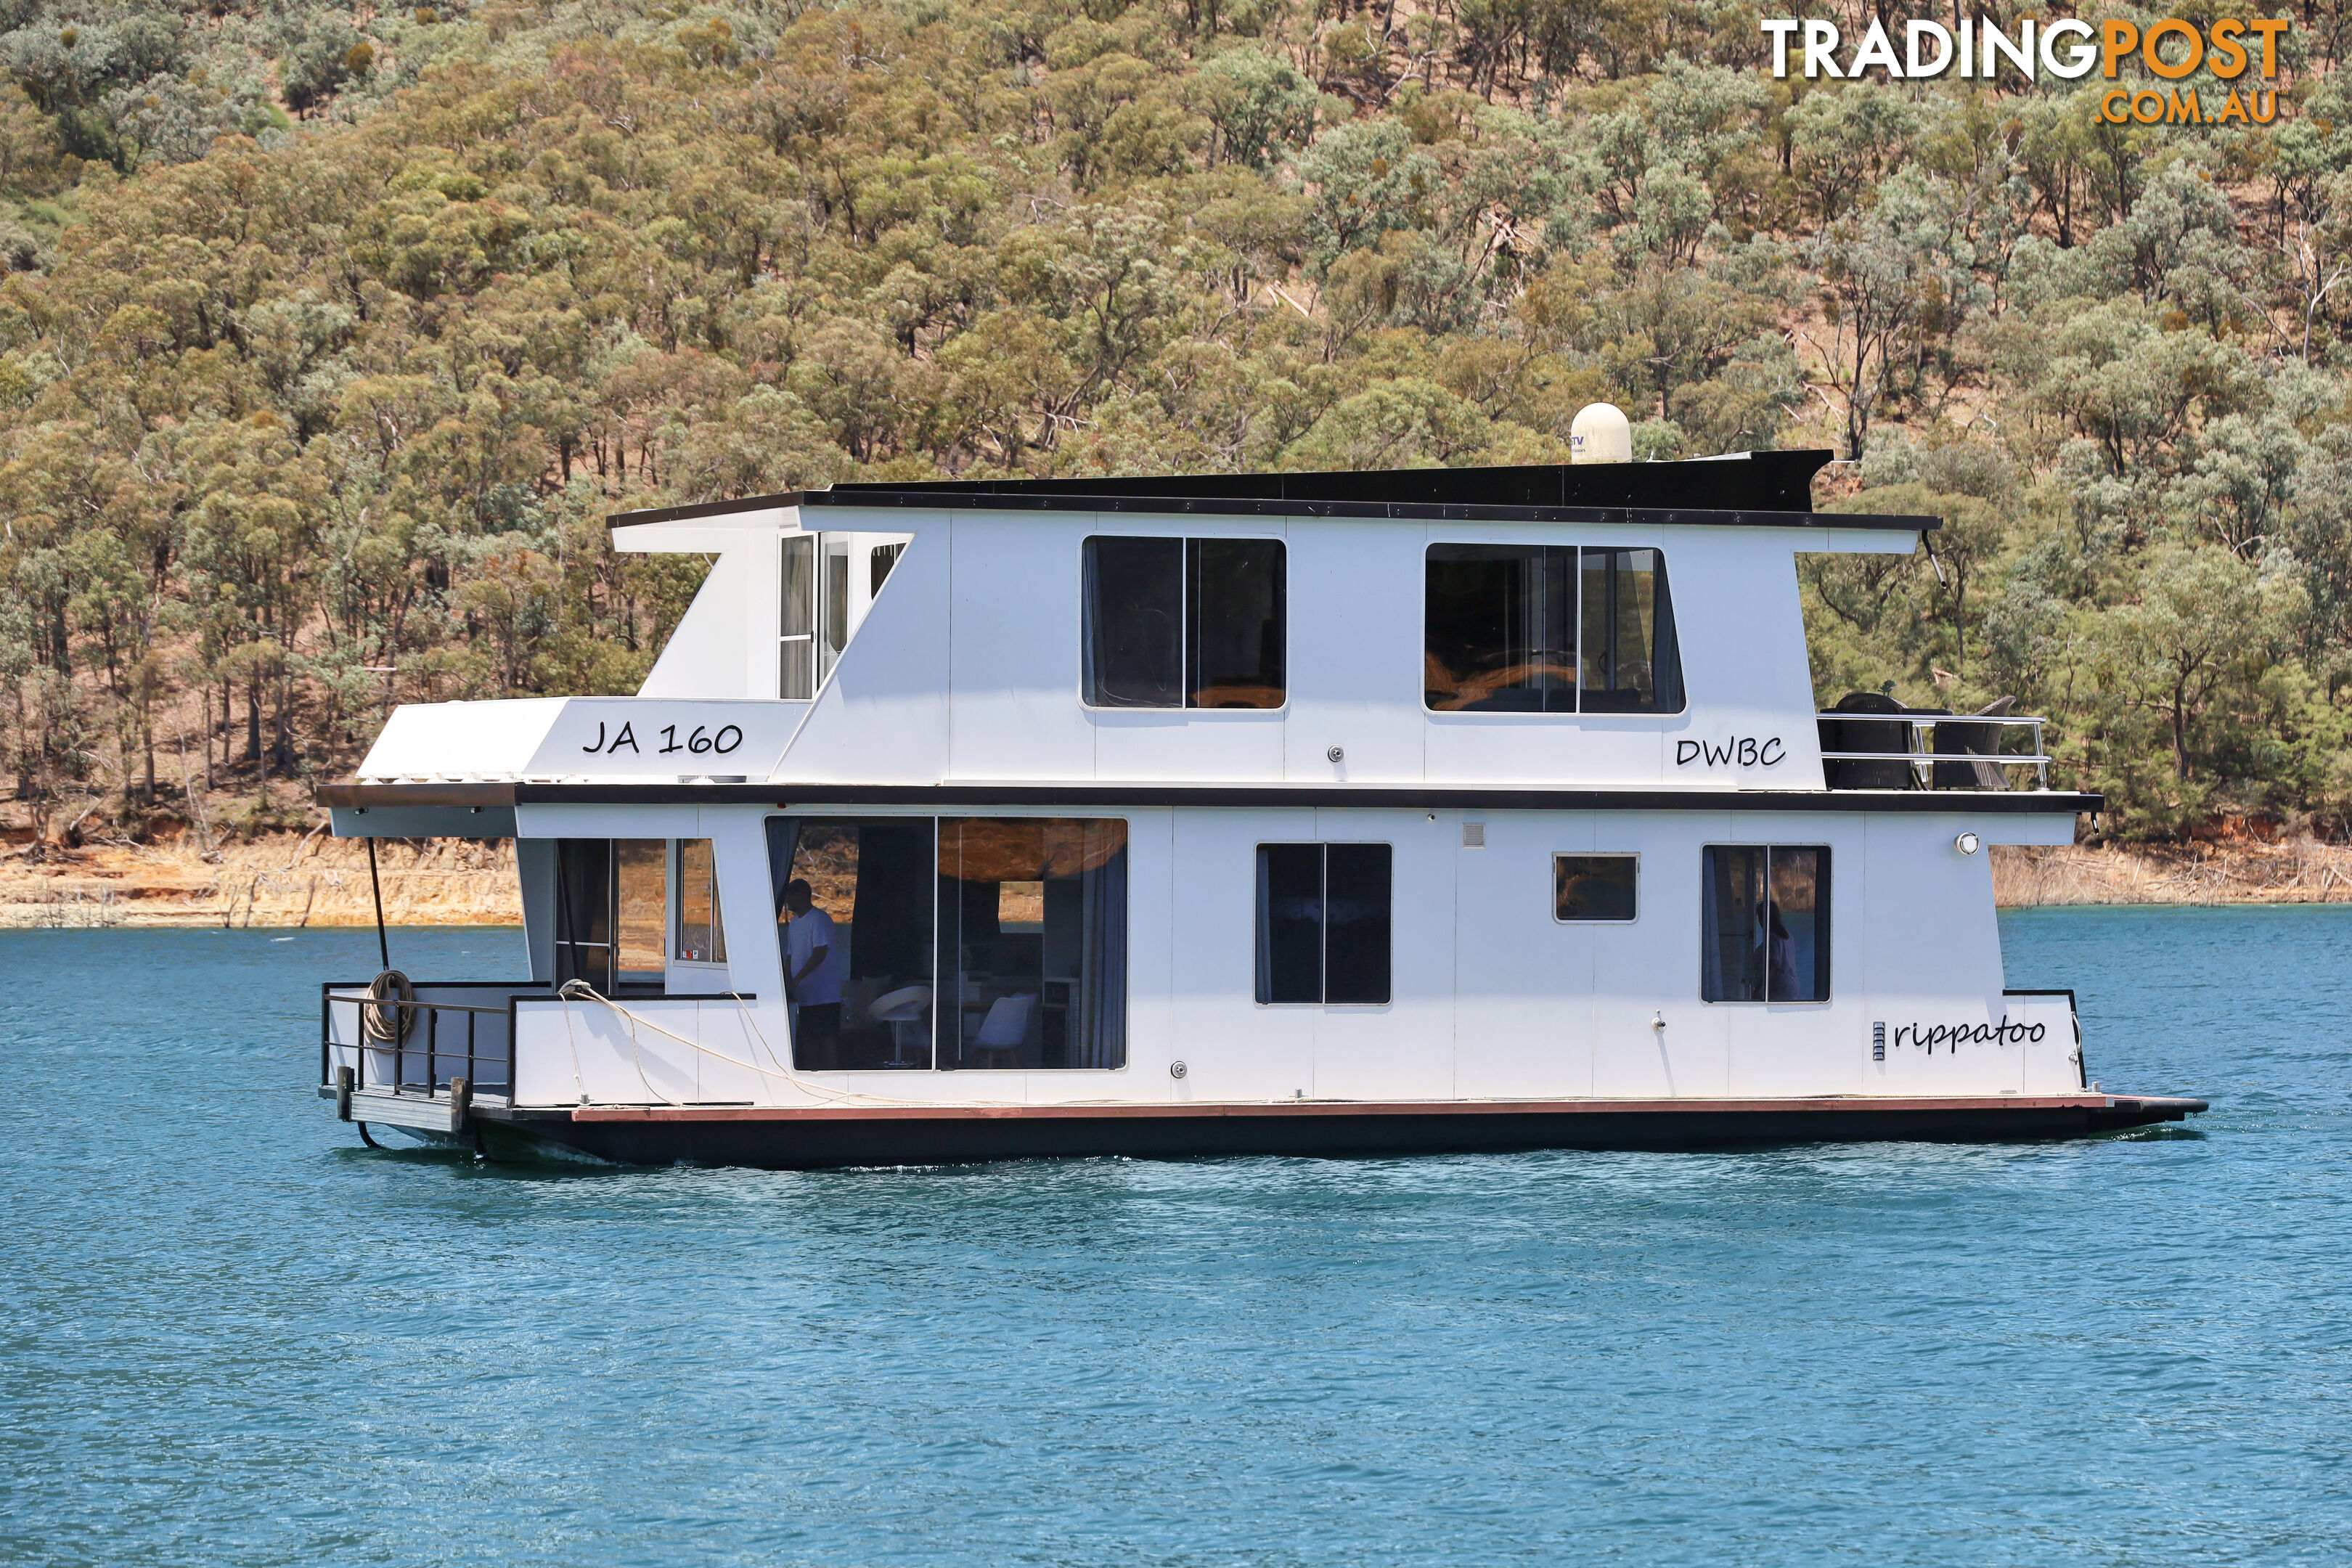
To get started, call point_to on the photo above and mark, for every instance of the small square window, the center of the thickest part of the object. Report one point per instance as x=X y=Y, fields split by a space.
x=1594 y=887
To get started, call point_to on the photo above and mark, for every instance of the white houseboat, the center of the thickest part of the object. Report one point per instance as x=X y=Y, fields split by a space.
x=1302 y=813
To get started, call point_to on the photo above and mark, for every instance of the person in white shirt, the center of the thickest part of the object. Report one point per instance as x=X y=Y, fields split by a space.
x=812 y=980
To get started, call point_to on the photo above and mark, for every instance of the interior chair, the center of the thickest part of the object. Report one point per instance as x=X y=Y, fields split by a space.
x=1003 y=1031
x=904 y=1010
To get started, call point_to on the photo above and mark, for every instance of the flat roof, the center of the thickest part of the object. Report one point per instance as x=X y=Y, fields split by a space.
x=785 y=795
x=1751 y=490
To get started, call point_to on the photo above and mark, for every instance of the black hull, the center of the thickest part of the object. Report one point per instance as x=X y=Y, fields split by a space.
x=815 y=1140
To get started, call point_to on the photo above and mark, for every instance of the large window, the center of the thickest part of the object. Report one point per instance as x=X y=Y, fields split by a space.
x=1183 y=623
x=1323 y=922
x=1032 y=943
x=972 y=943
x=1764 y=913
x=853 y=903
x=1531 y=628
x=612 y=910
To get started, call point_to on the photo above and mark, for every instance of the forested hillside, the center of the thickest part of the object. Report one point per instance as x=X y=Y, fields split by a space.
x=329 y=339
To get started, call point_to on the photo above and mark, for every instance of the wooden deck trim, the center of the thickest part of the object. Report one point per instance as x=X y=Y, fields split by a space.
x=1862 y=1104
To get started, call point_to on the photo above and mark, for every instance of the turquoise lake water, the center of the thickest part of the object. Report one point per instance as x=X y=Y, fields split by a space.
x=229 y=1334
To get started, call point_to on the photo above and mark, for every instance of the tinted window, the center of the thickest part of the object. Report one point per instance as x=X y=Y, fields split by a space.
x=1630 y=662
x=1135 y=623
x=1233 y=637
x=701 y=937
x=641 y=905
x=584 y=912
x=1355 y=923
x=1500 y=632
x=1323 y=922
x=1176 y=623
x=1764 y=915
x=1290 y=922
x=868 y=1002
x=1593 y=886
x=1549 y=629
x=834 y=620
x=796 y=641
x=1032 y=943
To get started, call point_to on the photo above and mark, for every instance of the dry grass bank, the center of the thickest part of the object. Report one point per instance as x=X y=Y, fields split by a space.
x=293 y=880
x=282 y=880
x=2294 y=871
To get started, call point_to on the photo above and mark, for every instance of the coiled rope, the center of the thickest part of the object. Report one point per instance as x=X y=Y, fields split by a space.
x=382 y=1022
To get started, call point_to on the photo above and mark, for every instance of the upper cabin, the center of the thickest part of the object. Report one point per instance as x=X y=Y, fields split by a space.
x=1628 y=626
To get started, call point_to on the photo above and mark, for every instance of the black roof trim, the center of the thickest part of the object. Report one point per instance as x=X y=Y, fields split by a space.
x=1755 y=490
x=1750 y=481
x=1620 y=517
x=705 y=509
x=957 y=797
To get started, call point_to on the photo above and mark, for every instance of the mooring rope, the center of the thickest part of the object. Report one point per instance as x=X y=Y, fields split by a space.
x=580 y=990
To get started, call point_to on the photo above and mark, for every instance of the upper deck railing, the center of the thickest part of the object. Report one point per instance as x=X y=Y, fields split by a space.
x=1863 y=750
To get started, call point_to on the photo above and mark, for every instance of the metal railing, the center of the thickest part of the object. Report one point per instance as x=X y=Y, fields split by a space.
x=403 y=1048
x=1937 y=766
x=503 y=1056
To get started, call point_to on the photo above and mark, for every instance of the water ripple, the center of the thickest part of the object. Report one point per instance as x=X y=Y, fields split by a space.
x=229 y=1335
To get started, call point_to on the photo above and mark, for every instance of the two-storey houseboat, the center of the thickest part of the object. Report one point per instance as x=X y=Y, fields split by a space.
x=1300 y=813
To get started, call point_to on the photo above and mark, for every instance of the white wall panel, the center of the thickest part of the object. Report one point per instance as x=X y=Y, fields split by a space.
x=1741 y=627
x=664 y=739
x=1650 y=970
x=1355 y=652
x=1016 y=647
x=1929 y=941
x=705 y=656
x=1179 y=744
x=1232 y=1047
x=1524 y=981
x=1548 y=748
x=460 y=740
x=1405 y=1050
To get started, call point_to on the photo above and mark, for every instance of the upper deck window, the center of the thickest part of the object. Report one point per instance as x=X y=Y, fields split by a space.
x=818 y=611
x=1184 y=622
x=797 y=629
x=1533 y=629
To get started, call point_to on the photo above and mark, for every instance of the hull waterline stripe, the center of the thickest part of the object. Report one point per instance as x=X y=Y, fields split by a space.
x=1861 y=1105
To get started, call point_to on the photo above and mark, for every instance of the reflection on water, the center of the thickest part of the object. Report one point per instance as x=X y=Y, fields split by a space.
x=230 y=1335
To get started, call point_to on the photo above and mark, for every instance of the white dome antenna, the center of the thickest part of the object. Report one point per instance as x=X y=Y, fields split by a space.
x=1600 y=434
